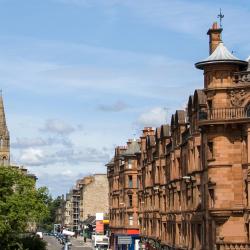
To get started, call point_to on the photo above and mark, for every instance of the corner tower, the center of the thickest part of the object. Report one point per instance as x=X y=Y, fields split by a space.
x=4 y=137
x=224 y=125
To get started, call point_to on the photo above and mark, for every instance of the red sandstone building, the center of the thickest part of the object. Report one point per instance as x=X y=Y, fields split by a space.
x=123 y=196
x=193 y=175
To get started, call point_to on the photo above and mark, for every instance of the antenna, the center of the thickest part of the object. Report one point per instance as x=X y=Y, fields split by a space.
x=220 y=16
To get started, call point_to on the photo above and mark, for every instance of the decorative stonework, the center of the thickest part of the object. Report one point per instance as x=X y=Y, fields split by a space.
x=237 y=97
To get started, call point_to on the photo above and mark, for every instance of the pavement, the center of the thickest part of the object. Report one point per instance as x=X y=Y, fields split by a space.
x=77 y=243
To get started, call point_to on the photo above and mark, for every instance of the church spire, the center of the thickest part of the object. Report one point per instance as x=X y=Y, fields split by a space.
x=4 y=136
x=3 y=126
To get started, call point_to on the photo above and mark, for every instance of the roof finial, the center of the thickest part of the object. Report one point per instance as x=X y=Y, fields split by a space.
x=220 y=16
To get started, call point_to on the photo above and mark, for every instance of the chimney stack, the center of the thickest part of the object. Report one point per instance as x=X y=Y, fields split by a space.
x=214 y=37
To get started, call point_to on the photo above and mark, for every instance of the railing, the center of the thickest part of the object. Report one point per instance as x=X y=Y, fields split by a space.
x=233 y=246
x=224 y=114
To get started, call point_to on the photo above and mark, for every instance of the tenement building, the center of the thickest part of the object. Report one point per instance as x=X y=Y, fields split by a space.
x=93 y=191
x=193 y=175
x=123 y=200
x=88 y=197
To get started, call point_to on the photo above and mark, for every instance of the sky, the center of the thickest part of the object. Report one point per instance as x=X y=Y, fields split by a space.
x=80 y=77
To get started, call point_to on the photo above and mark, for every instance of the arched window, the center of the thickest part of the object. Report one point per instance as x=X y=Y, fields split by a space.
x=5 y=161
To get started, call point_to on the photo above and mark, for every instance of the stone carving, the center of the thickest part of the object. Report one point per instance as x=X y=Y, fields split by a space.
x=237 y=97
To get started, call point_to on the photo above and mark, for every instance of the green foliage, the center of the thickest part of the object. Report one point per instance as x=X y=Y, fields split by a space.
x=48 y=222
x=33 y=243
x=20 y=205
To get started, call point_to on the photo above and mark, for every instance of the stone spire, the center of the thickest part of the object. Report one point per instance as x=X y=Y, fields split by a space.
x=4 y=136
x=3 y=126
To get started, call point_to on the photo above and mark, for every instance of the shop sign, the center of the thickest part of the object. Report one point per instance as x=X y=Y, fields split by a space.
x=124 y=240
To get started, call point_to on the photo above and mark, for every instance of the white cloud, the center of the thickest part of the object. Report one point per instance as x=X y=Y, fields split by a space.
x=58 y=127
x=25 y=142
x=59 y=183
x=182 y=16
x=67 y=172
x=153 y=117
x=62 y=155
x=132 y=74
x=32 y=156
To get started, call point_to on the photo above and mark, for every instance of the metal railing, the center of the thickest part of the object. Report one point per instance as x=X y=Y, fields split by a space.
x=224 y=114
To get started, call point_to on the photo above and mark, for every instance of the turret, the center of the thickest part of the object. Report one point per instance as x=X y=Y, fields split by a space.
x=220 y=66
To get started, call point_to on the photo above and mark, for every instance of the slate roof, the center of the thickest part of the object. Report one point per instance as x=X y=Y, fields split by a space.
x=133 y=148
x=165 y=130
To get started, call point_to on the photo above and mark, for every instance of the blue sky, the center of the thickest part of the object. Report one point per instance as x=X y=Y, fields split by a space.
x=82 y=76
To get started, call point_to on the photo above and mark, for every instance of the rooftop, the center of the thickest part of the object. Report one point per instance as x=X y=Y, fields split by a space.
x=220 y=55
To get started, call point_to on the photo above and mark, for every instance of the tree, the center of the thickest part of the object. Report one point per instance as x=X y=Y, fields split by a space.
x=48 y=222
x=21 y=204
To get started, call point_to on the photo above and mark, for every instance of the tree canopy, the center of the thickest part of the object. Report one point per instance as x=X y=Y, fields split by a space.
x=48 y=221
x=21 y=204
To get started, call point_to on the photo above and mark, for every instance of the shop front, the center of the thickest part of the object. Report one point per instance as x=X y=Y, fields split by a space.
x=129 y=241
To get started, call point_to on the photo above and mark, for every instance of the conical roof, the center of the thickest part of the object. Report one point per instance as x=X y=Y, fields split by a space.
x=220 y=55
x=133 y=148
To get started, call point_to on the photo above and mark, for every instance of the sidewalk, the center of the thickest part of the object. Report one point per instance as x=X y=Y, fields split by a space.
x=79 y=242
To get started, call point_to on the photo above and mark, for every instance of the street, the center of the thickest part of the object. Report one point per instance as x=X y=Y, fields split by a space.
x=77 y=244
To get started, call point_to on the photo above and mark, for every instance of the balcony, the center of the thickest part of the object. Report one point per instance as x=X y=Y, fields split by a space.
x=222 y=115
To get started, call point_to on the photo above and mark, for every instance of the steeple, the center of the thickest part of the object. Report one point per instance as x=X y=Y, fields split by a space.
x=4 y=136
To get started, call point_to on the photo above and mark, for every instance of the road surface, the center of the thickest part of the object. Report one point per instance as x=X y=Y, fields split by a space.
x=77 y=244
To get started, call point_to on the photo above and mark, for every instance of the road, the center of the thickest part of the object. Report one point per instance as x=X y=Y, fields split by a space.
x=77 y=244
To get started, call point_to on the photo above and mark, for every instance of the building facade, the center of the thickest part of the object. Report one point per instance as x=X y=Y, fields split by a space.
x=93 y=195
x=193 y=174
x=88 y=197
x=123 y=196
